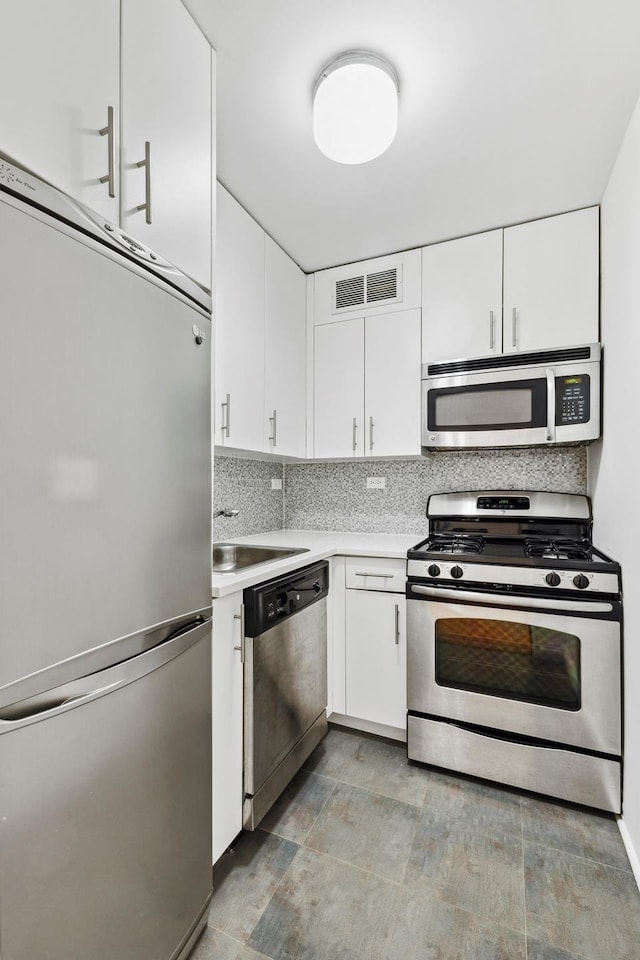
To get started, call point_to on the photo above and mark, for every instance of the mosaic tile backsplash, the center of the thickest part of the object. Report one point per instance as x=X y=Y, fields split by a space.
x=333 y=496
x=245 y=485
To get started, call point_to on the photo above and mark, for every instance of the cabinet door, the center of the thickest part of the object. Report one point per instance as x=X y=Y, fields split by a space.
x=392 y=384
x=376 y=679
x=59 y=66
x=338 y=389
x=166 y=100
x=227 y=688
x=462 y=298
x=551 y=282
x=239 y=327
x=285 y=356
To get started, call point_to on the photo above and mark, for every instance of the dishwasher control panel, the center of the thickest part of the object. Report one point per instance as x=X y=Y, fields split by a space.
x=274 y=601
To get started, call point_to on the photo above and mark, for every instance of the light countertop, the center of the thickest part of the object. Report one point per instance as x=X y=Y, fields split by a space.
x=320 y=545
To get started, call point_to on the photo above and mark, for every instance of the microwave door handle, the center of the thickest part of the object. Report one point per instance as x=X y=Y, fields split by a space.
x=551 y=405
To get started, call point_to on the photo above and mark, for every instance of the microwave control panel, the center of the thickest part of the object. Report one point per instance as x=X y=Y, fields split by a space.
x=573 y=399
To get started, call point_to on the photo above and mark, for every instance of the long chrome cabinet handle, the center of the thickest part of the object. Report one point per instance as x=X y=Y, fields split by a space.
x=226 y=418
x=146 y=163
x=240 y=617
x=370 y=433
x=492 y=330
x=355 y=430
x=551 y=405
x=383 y=576
x=274 y=428
x=397 y=625
x=110 y=177
x=514 y=327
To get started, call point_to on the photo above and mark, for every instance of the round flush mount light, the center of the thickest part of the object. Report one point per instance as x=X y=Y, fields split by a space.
x=355 y=107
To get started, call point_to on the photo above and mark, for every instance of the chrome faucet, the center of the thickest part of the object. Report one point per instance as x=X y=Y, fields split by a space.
x=226 y=512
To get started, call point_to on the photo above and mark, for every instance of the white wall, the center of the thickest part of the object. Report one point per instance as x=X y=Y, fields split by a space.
x=614 y=463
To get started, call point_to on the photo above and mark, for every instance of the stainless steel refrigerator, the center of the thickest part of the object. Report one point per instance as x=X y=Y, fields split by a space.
x=105 y=588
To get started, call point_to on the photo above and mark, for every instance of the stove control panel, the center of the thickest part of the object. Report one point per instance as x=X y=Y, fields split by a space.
x=506 y=577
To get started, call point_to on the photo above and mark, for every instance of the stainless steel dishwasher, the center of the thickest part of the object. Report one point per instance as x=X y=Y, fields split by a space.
x=285 y=682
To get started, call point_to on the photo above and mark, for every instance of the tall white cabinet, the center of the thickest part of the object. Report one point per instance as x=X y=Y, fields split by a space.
x=60 y=73
x=338 y=383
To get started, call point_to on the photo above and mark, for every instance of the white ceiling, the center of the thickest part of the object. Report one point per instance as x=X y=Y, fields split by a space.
x=509 y=110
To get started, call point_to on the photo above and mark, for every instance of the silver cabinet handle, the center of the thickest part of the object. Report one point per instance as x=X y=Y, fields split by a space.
x=226 y=419
x=370 y=433
x=146 y=163
x=383 y=576
x=514 y=327
x=355 y=430
x=240 y=617
x=110 y=177
x=551 y=404
x=397 y=625
x=274 y=428
x=492 y=330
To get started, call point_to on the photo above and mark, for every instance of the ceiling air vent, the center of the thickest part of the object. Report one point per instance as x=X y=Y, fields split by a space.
x=372 y=289
x=349 y=293
x=382 y=285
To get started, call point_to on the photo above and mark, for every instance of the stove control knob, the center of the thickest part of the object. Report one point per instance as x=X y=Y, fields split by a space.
x=552 y=579
x=456 y=572
x=580 y=581
x=433 y=570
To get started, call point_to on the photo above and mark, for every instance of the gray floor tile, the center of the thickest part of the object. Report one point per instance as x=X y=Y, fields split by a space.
x=244 y=880
x=482 y=808
x=367 y=830
x=538 y=950
x=425 y=928
x=326 y=910
x=583 y=907
x=590 y=835
x=480 y=873
x=376 y=765
x=293 y=815
x=214 y=945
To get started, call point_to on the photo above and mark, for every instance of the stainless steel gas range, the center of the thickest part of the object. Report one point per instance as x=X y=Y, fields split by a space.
x=514 y=645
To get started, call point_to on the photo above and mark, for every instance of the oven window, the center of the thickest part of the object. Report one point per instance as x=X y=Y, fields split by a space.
x=511 y=660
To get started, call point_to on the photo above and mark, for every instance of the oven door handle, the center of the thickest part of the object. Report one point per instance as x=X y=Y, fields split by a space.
x=551 y=404
x=501 y=600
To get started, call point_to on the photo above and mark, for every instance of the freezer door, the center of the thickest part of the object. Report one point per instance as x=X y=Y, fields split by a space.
x=105 y=810
x=105 y=487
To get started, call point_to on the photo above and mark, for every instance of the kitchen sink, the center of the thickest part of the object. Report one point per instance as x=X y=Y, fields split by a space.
x=231 y=557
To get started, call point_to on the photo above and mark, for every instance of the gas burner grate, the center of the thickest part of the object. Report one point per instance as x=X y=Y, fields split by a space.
x=557 y=549
x=448 y=543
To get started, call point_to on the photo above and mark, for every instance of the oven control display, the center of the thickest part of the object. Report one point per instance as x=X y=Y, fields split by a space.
x=572 y=399
x=503 y=503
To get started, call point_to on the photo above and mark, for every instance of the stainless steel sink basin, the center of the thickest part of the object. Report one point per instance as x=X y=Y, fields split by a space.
x=231 y=557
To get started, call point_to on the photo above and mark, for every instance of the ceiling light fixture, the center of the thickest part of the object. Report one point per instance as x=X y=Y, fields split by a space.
x=355 y=107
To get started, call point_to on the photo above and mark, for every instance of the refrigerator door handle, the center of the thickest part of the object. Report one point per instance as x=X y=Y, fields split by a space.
x=72 y=694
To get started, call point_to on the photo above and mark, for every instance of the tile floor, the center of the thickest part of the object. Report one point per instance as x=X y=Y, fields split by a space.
x=366 y=857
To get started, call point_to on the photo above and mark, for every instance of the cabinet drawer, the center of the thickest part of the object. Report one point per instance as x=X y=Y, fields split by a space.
x=376 y=573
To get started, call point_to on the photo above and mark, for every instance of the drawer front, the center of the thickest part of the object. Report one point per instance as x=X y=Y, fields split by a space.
x=376 y=573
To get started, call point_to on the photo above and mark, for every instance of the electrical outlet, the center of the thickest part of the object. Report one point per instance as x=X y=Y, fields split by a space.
x=276 y=484
x=376 y=483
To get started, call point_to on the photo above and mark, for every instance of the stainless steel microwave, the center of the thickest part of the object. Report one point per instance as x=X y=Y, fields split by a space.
x=513 y=400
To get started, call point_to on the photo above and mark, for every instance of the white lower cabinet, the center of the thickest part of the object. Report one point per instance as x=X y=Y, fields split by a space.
x=227 y=713
x=376 y=657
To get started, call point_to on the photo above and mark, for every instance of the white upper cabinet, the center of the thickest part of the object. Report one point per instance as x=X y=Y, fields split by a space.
x=551 y=271
x=392 y=384
x=285 y=346
x=367 y=386
x=529 y=287
x=462 y=298
x=166 y=102
x=338 y=397
x=239 y=327
x=368 y=288
x=60 y=72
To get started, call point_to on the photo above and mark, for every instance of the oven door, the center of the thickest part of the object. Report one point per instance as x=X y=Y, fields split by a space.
x=517 y=665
